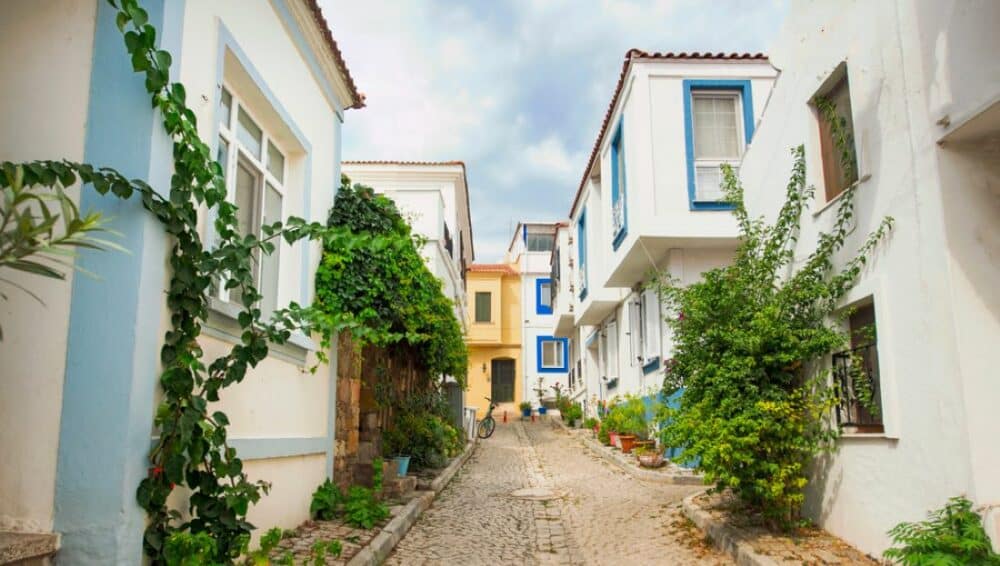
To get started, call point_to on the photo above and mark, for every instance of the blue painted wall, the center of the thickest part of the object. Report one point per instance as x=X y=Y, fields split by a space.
x=674 y=453
x=114 y=334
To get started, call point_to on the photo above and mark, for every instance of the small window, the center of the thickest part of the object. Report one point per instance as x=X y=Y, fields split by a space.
x=718 y=140
x=617 y=185
x=840 y=161
x=609 y=353
x=225 y=107
x=553 y=354
x=249 y=134
x=856 y=373
x=484 y=306
x=540 y=242
x=543 y=295
x=275 y=162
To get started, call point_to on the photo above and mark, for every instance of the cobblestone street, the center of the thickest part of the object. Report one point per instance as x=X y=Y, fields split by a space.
x=598 y=515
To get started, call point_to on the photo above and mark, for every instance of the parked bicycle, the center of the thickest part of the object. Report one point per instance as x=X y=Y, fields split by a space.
x=488 y=424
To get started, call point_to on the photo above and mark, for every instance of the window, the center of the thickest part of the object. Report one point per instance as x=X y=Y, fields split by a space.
x=716 y=140
x=718 y=124
x=552 y=354
x=581 y=233
x=543 y=296
x=856 y=373
x=617 y=188
x=609 y=350
x=840 y=166
x=539 y=242
x=644 y=330
x=255 y=184
x=484 y=305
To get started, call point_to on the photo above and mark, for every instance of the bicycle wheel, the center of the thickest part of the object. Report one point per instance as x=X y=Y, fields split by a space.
x=486 y=427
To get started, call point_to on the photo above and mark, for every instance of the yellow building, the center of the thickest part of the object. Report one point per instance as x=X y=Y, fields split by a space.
x=494 y=338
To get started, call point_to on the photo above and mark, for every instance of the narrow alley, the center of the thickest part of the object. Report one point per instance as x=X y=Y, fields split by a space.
x=577 y=510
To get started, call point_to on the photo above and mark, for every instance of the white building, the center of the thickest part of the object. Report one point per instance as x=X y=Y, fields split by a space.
x=919 y=85
x=79 y=374
x=649 y=202
x=545 y=357
x=434 y=197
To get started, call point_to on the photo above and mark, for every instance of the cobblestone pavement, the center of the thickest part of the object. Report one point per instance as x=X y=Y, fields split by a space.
x=600 y=515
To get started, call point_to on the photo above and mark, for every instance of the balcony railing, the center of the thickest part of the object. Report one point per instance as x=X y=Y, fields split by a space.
x=617 y=217
x=848 y=368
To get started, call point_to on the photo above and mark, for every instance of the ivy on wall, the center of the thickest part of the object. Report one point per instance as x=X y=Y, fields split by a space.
x=385 y=289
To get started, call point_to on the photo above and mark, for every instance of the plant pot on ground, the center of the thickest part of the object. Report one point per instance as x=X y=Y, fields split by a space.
x=648 y=457
x=525 y=409
x=402 y=465
x=613 y=437
x=627 y=442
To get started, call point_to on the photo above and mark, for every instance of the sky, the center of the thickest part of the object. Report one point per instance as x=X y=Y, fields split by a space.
x=516 y=89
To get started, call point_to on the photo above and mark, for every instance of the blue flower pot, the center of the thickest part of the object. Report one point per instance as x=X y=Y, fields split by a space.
x=525 y=413
x=543 y=410
x=402 y=465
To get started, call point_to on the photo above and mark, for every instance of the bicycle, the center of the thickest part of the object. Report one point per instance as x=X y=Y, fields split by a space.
x=488 y=424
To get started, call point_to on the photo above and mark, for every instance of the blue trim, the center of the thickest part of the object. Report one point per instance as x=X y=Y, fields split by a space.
x=619 y=193
x=539 y=340
x=652 y=366
x=227 y=41
x=303 y=46
x=113 y=340
x=539 y=307
x=581 y=236
x=746 y=92
x=524 y=234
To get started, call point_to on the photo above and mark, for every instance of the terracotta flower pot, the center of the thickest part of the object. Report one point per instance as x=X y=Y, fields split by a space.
x=627 y=441
x=650 y=459
x=614 y=439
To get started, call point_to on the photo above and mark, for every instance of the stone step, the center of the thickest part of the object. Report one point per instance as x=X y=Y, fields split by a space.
x=28 y=549
x=399 y=487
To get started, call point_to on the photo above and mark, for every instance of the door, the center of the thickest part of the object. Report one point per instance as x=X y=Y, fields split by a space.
x=502 y=388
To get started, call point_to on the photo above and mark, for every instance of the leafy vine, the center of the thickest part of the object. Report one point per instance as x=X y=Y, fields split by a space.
x=191 y=450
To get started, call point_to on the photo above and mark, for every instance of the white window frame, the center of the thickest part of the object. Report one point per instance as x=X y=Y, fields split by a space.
x=740 y=135
x=235 y=153
x=611 y=350
x=651 y=331
x=558 y=354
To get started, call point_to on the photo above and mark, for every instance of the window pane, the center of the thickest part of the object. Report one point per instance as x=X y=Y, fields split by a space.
x=249 y=134
x=708 y=183
x=269 y=263
x=540 y=242
x=546 y=294
x=246 y=197
x=620 y=169
x=483 y=307
x=716 y=131
x=222 y=156
x=225 y=107
x=548 y=354
x=837 y=177
x=275 y=162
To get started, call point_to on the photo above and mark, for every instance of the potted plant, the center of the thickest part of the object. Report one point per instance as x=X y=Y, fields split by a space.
x=632 y=424
x=394 y=443
x=592 y=424
x=649 y=457
x=573 y=414
x=525 y=409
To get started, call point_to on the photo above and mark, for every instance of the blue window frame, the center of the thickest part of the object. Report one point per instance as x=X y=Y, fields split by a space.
x=581 y=233
x=740 y=87
x=619 y=204
x=552 y=354
x=543 y=295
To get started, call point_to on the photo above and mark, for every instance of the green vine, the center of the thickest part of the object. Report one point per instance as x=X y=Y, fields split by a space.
x=191 y=450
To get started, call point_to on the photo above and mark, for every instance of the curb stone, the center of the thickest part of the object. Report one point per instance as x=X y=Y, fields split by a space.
x=635 y=471
x=379 y=548
x=723 y=536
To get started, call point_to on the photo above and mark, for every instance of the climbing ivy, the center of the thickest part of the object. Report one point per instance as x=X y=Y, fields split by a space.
x=386 y=289
x=191 y=449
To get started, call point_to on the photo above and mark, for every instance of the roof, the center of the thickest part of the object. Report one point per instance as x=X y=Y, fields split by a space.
x=633 y=55
x=502 y=268
x=465 y=181
x=357 y=98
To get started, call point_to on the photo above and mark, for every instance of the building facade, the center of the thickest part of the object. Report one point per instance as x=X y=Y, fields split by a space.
x=918 y=86
x=79 y=375
x=434 y=197
x=649 y=204
x=494 y=337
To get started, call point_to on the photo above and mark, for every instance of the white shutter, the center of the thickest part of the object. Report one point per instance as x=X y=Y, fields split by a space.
x=635 y=332
x=612 y=331
x=652 y=325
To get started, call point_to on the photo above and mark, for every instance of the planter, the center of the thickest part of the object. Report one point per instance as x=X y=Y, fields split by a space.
x=614 y=439
x=525 y=413
x=650 y=444
x=650 y=459
x=627 y=441
x=402 y=465
x=543 y=410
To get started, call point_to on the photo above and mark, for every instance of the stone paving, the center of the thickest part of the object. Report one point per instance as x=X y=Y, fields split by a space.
x=577 y=509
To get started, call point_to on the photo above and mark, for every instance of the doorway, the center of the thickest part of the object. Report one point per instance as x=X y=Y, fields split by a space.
x=502 y=383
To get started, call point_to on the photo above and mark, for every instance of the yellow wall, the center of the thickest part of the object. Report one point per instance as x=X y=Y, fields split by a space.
x=499 y=338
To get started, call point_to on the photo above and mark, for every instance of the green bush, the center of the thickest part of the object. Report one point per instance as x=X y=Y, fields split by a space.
x=952 y=535
x=360 y=507
x=184 y=548
x=525 y=406
x=590 y=423
x=326 y=501
x=755 y=411
x=573 y=413
x=428 y=439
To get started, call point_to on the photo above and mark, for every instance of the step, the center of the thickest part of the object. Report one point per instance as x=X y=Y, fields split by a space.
x=28 y=549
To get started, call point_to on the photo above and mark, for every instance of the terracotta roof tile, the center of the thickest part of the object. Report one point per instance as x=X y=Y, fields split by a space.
x=493 y=268
x=630 y=56
x=358 y=98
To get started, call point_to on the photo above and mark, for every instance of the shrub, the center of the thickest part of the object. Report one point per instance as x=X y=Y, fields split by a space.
x=573 y=413
x=184 y=548
x=525 y=406
x=362 y=509
x=590 y=423
x=427 y=438
x=326 y=501
x=755 y=410
x=951 y=535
